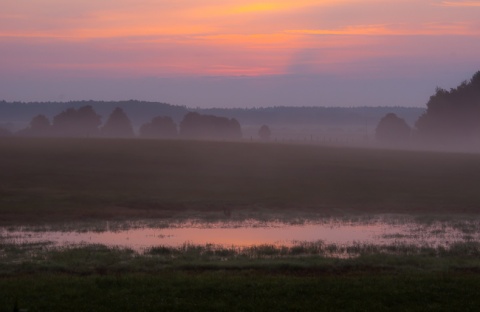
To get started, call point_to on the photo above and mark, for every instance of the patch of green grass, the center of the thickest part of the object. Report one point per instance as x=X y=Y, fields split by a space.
x=241 y=291
x=261 y=278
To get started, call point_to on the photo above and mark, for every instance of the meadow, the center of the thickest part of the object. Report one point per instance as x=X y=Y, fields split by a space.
x=96 y=278
x=56 y=180
x=63 y=181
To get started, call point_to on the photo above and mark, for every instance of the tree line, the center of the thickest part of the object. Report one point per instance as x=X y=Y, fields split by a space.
x=85 y=122
x=20 y=113
x=452 y=118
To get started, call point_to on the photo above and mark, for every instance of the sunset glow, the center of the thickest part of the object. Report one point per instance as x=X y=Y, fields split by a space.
x=164 y=38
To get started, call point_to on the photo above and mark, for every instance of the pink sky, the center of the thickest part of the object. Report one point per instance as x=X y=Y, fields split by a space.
x=237 y=53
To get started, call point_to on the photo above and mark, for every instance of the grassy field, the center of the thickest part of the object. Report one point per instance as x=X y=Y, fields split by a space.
x=241 y=291
x=48 y=180
x=96 y=278
x=45 y=181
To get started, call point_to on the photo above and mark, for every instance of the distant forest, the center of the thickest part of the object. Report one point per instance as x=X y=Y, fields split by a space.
x=451 y=118
x=17 y=115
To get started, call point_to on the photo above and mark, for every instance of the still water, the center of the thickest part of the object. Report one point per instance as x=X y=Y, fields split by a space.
x=142 y=235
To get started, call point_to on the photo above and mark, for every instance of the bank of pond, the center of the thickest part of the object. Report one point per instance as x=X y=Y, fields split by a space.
x=381 y=263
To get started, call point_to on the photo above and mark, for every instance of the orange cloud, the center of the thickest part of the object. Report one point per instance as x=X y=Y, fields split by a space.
x=250 y=40
x=460 y=3
x=251 y=6
x=431 y=29
x=255 y=8
x=99 y=33
x=237 y=37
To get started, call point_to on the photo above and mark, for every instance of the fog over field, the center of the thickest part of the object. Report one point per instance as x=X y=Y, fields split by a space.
x=449 y=122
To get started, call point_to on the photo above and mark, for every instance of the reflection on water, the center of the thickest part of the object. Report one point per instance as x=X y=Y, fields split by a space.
x=140 y=236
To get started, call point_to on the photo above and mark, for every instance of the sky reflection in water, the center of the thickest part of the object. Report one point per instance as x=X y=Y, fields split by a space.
x=250 y=233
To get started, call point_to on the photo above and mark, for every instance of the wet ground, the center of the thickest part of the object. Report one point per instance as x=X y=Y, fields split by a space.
x=141 y=235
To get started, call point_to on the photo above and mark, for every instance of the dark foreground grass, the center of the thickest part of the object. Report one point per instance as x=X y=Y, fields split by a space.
x=265 y=278
x=241 y=291
x=50 y=180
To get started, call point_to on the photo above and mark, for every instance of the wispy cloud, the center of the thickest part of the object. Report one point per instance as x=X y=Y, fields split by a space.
x=460 y=3
x=430 y=29
x=243 y=37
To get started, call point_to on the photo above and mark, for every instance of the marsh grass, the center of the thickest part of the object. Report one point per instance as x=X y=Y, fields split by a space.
x=417 y=225
x=99 y=259
x=261 y=278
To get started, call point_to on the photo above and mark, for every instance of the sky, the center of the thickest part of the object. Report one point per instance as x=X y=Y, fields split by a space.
x=237 y=53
